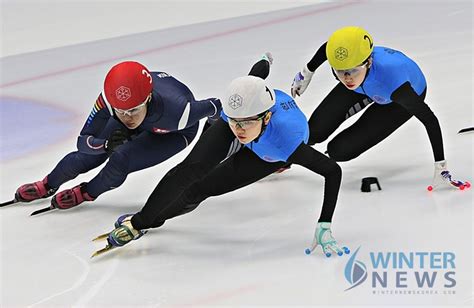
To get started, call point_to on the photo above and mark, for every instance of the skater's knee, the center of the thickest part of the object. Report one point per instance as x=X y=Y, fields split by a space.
x=194 y=195
x=341 y=151
x=119 y=162
x=76 y=163
x=335 y=170
x=190 y=199
x=317 y=137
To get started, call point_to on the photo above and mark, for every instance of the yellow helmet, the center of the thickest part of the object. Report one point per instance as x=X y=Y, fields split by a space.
x=349 y=47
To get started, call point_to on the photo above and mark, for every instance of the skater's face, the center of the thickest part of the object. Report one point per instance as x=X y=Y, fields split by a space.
x=132 y=118
x=248 y=129
x=353 y=78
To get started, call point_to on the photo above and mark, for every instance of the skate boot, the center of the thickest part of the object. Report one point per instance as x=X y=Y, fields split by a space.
x=118 y=223
x=69 y=198
x=33 y=191
x=124 y=233
x=121 y=219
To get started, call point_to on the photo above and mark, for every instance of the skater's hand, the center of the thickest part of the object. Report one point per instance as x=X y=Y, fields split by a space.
x=301 y=82
x=217 y=110
x=323 y=237
x=116 y=138
x=268 y=56
x=443 y=178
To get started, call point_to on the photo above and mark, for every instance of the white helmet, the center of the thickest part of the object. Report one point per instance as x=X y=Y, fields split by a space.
x=247 y=96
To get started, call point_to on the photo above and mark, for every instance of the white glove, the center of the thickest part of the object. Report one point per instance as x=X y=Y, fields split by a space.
x=323 y=237
x=301 y=82
x=442 y=178
x=268 y=56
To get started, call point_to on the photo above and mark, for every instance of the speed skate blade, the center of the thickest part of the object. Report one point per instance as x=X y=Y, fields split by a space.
x=46 y=209
x=8 y=203
x=102 y=251
x=101 y=237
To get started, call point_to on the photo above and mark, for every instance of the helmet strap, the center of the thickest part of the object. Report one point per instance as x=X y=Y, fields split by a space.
x=263 y=127
x=369 y=65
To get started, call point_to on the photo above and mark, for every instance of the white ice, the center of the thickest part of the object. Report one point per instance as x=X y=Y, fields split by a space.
x=245 y=248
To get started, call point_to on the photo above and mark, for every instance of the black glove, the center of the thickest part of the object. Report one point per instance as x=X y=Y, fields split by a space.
x=218 y=108
x=116 y=138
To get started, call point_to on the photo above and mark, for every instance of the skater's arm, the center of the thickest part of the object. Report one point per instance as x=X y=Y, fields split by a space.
x=319 y=163
x=262 y=67
x=415 y=105
x=318 y=58
x=303 y=78
x=87 y=142
x=197 y=110
x=90 y=145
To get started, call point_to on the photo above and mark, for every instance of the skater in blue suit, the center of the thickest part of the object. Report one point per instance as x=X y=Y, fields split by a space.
x=273 y=131
x=387 y=82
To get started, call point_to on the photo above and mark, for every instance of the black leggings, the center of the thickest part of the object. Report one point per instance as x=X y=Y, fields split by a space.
x=376 y=124
x=204 y=173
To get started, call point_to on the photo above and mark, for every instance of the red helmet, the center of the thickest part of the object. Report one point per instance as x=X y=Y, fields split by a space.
x=127 y=85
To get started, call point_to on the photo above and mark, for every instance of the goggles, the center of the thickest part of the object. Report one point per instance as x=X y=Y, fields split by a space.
x=132 y=111
x=246 y=123
x=351 y=72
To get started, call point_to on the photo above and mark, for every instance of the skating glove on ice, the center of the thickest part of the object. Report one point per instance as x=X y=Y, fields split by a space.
x=323 y=237
x=442 y=178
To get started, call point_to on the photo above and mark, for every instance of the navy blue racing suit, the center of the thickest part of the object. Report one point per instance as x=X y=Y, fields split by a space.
x=170 y=125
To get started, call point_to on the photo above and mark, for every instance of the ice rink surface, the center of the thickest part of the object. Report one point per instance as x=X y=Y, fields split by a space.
x=245 y=248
